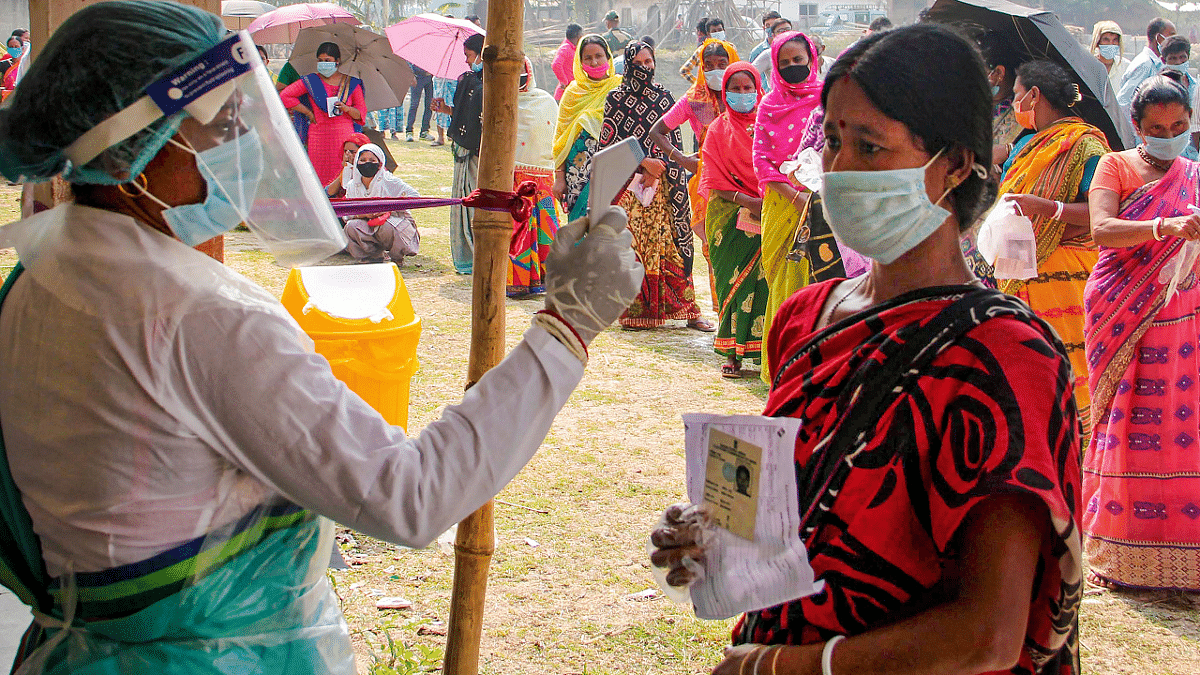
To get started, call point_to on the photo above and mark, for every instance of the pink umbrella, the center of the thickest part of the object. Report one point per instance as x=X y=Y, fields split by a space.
x=433 y=42
x=283 y=25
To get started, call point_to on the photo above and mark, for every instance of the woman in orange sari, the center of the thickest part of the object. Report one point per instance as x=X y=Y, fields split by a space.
x=1048 y=174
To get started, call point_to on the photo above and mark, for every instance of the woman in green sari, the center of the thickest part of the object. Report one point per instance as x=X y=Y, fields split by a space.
x=732 y=223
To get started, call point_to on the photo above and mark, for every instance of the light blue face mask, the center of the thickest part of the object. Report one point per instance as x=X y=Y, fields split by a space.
x=232 y=172
x=477 y=67
x=881 y=214
x=1181 y=67
x=995 y=90
x=327 y=68
x=1110 y=52
x=742 y=103
x=1167 y=149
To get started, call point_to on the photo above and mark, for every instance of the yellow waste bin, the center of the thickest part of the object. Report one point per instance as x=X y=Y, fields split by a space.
x=361 y=319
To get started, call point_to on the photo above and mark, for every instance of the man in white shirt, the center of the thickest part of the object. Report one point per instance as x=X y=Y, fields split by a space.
x=826 y=61
x=1148 y=63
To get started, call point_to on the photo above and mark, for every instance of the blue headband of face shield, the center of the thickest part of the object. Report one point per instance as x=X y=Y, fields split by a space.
x=255 y=170
x=178 y=93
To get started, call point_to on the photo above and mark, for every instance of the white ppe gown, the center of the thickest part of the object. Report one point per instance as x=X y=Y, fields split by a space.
x=151 y=394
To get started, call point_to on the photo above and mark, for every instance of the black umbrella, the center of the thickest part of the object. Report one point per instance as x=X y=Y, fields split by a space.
x=1037 y=34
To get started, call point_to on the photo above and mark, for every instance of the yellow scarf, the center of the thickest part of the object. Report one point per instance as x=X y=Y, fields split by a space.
x=582 y=105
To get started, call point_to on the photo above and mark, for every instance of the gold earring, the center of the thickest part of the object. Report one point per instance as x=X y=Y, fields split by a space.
x=145 y=186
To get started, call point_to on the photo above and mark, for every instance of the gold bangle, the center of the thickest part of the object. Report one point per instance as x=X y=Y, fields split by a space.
x=742 y=667
x=774 y=658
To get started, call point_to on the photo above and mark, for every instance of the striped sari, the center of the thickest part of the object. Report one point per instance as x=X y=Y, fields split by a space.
x=1056 y=164
x=1141 y=481
x=530 y=243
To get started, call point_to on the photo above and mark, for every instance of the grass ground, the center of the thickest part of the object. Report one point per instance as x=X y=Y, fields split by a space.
x=565 y=594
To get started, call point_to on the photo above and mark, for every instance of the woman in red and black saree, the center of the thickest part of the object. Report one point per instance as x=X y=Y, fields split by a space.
x=938 y=456
x=1141 y=480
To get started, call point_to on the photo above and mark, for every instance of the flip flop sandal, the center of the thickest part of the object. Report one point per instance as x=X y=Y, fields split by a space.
x=702 y=325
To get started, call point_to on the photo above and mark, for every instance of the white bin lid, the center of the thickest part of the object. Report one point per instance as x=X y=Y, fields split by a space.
x=351 y=291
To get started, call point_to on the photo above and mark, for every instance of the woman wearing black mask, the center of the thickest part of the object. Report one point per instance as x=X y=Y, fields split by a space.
x=659 y=216
x=781 y=121
x=382 y=236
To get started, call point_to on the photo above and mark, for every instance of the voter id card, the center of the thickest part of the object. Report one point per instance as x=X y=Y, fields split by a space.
x=731 y=482
x=612 y=168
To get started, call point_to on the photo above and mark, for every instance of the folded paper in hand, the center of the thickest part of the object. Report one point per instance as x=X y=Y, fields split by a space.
x=741 y=468
x=643 y=188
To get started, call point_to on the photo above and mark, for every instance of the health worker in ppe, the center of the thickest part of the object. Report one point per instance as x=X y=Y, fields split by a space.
x=172 y=448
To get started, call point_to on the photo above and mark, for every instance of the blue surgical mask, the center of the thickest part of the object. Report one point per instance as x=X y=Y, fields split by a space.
x=742 y=103
x=326 y=68
x=477 y=67
x=14 y=52
x=995 y=90
x=1110 y=52
x=232 y=172
x=881 y=214
x=1167 y=149
x=1181 y=67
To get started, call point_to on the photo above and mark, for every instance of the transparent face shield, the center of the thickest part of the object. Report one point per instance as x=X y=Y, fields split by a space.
x=254 y=170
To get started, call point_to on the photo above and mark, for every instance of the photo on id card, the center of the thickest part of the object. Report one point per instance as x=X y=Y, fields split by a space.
x=731 y=482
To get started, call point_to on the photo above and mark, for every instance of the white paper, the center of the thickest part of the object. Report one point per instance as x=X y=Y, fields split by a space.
x=743 y=575
x=643 y=187
x=611 y=169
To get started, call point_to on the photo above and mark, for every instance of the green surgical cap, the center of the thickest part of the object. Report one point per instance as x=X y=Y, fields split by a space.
x=96 y=64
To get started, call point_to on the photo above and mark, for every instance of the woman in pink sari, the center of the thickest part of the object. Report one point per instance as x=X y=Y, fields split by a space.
x=1141 y=479
x=316 y=96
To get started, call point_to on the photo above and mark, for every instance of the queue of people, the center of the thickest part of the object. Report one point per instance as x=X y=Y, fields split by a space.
x=963 y=447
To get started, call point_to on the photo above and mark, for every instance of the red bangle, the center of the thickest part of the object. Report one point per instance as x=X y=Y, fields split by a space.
x=568 y=325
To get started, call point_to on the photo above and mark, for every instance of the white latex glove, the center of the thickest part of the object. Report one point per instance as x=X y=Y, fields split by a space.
x=592 y=273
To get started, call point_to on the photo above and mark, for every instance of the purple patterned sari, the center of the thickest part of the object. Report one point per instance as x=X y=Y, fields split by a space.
x=1141 y=483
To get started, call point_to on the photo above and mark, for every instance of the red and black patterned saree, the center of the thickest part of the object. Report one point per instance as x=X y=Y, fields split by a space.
x=914 y=412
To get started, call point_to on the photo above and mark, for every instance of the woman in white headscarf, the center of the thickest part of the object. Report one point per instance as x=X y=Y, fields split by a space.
x=537 y=113
x=382 y=236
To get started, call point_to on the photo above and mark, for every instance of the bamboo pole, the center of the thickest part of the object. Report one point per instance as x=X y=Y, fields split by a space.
x=503 y=61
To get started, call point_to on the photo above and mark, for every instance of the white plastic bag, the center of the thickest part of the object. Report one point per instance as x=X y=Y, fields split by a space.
x=805 y=169
x=1006 y=241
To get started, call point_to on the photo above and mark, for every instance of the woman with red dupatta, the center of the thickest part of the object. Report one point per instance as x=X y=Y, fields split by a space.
x=937 y=461
x=1141 y=480
x=731 y=222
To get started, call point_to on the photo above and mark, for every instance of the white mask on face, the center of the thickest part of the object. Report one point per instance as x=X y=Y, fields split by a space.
x=881 y=214
x=714 y=78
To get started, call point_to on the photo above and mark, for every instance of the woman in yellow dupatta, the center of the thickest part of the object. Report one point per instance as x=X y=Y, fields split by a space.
x=1048 y=174
x=580 y=116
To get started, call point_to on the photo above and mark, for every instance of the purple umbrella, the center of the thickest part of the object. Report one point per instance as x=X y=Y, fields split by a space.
x=283 y=25
x=433 y=42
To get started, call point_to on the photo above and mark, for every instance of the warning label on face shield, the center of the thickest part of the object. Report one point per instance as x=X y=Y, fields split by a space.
x=227 y=61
